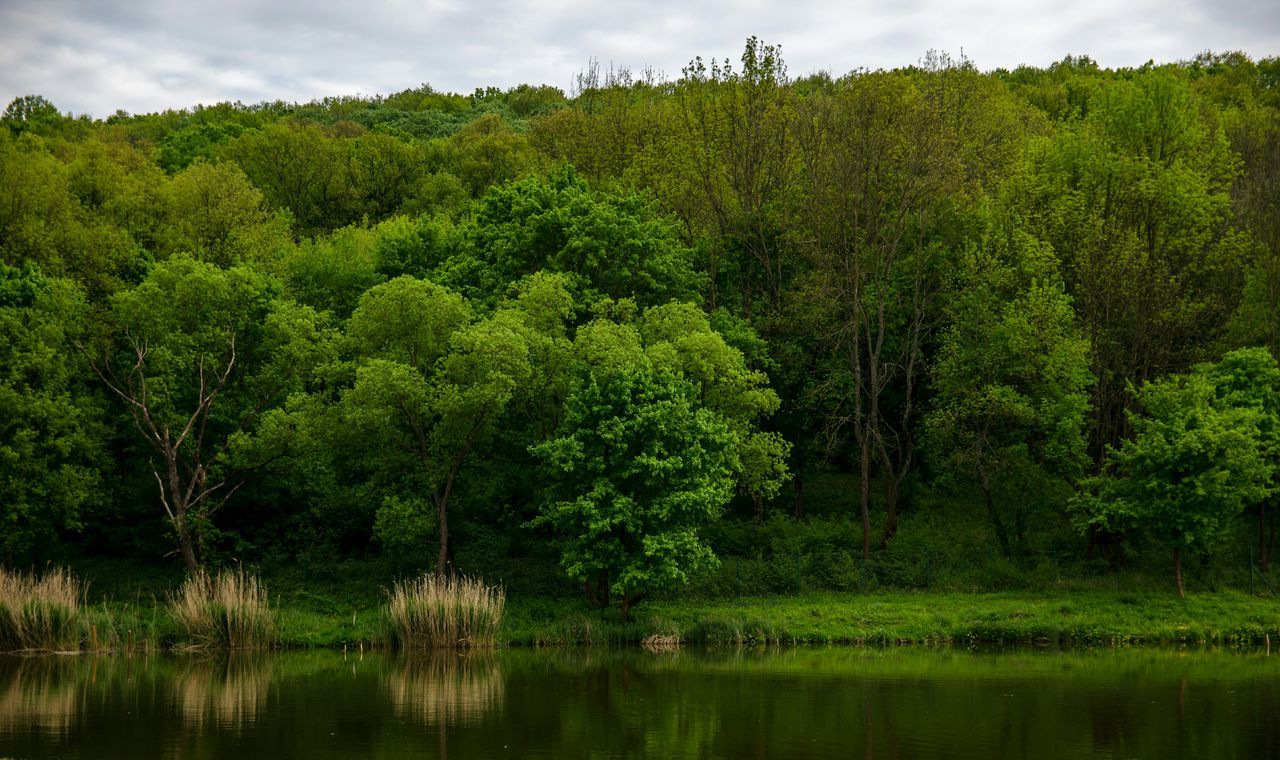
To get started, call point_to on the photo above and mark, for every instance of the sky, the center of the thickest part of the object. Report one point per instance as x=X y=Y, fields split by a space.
x=99 y=56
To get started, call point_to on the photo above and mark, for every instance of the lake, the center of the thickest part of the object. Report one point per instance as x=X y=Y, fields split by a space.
x=603 y=703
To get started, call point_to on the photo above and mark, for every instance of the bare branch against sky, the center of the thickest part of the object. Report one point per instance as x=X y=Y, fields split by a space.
x=96 y=56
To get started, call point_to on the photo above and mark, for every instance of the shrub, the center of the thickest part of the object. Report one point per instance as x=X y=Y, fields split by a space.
x=40 y=613
x=574 y=630
x=444 y=612
x=718 y=631
x=230 y=611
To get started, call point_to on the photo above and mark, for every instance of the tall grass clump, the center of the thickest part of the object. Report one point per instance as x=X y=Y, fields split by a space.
x=432 y=612
x=229 y=610
x=40 y=613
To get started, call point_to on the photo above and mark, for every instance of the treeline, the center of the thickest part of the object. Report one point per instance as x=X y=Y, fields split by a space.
x=608 y=322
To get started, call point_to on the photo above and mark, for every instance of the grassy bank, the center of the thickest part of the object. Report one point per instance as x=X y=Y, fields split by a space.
x=1091 y=618
x=1079 y=619
x=130 y=612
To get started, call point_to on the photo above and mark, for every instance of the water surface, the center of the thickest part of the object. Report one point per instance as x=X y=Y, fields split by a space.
x=803 y=703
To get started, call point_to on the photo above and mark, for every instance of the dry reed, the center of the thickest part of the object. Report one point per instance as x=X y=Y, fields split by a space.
x=40 y=613
x=661 y=642
x=229 y=610
x=432 y=612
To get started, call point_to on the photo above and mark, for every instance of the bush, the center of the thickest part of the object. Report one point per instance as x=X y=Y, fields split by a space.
x=719 y=631
x=40 y=613
x=229 y=611
x=449 y=612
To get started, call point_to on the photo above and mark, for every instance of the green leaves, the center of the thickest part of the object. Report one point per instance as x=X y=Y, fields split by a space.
x=659 y=426
x=217 y=215
x=1011 y=381
x=430 y=387
x=51 y=433
x=1203 y=449
x=407 y=320
x=611 y=245
x=203 y=359
x=1134 y=199
x=637 y=469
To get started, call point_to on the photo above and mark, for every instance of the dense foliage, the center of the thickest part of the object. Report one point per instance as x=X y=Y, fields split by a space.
x=799 y=324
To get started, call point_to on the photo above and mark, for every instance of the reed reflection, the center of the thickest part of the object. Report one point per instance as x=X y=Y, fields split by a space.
x=446 y=688
x=228 y=693
x=39 y=694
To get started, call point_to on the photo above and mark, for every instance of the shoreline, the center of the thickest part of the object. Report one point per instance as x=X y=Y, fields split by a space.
x=1076 y=619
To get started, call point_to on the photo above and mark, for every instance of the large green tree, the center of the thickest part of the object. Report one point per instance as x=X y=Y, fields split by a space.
x=199 y=358
x=638 y=468
x=1250 y=378
x=892 y=162
x=1195 y=461
x=1255 y=135
x=216 y=215
x=1134 y=198
x=661 y=418
x=302 y=169
x=30 y=113
x=1011 y=383
x=431 y=385
x=611 y=244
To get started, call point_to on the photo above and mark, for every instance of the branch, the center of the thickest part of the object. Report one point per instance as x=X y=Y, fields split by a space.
x=164 y=501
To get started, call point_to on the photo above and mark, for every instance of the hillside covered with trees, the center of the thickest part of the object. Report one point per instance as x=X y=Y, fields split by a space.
x=734 y=332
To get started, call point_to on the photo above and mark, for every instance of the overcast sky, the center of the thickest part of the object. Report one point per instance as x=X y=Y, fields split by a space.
x=97 y=56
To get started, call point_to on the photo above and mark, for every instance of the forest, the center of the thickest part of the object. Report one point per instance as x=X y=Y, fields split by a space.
x=735 y=332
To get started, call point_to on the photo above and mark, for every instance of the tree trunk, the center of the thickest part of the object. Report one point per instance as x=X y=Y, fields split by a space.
x=1263 y=547
x=757 y=504
x=178 y=518
x=890 y=510
x=864 y=495
x=797 y=490
x=186 y=546
x=442 y=517
x=630 y=600
x=1020 y=526
x=1275 y=528
x=1177 y=573
x=602 y=588
x=1002 y=535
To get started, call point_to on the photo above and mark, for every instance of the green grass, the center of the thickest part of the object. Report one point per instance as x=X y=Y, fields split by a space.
x=1090 y=618
x=1085 y=618
x=1076 y=618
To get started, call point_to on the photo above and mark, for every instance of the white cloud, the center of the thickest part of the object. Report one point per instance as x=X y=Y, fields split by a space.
x=143 y=55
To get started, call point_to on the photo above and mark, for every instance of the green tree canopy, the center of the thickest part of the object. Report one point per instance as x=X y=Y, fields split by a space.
x=51 y=431
x=430 y=386
x=218 y=216
x=637 y=470
x=613 y=245
x=1196 y=460
x=30 y=113
x=200 y=357
x=1011 y=382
